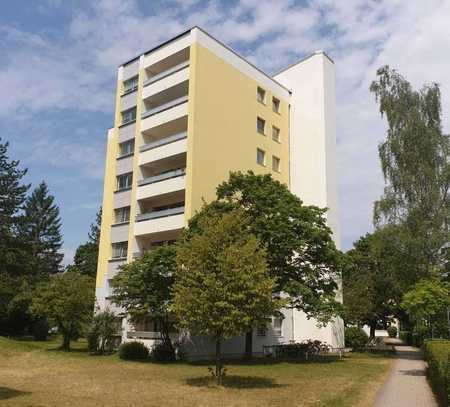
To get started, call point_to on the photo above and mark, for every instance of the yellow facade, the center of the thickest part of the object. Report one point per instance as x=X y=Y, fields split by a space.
x=222 y=134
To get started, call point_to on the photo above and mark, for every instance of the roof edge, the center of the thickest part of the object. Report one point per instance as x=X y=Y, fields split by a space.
x=319 y=52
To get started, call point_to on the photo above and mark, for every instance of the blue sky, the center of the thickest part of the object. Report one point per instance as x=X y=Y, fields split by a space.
x=59 y=59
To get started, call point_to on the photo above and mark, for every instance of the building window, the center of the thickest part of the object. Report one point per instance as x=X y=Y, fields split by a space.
x=275 y=164
x=261 y=330
x=126 y=148
x=277 y=326
x=275 y=134
x=276 y=105
x=130 y=85
x=129 y=115
x=260 y=125
x=261 y=95
x=119 y=250
x=122 y=214
x=260 y=156
x=124 y=181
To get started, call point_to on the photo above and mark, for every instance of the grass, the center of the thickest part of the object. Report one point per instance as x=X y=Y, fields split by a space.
x=37 y=374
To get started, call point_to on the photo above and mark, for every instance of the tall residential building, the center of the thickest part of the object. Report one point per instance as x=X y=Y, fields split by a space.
x=187 y=113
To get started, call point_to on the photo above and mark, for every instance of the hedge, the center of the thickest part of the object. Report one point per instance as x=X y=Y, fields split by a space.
x=437 y=354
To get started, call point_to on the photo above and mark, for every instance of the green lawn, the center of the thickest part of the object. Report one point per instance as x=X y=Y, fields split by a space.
x=37 y=374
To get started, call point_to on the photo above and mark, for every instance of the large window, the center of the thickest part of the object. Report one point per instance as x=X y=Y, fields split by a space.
x=275 y=134
x=122 y=214
x=261 y=330
x=119 y=250
x=126 y=148
x=275 y=164
x=260 y=125
x=261 y=95
x=276 y=105
x=124 y=181
x=277 y=326
x=129 y=115
x=260 y=156
x=130 y=85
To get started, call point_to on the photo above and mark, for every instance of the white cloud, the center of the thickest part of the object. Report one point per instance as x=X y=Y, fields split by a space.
x=77 y=72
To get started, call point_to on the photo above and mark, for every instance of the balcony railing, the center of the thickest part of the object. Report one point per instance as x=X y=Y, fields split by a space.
x=163 y=141
x=161 y=177
x=165 y=106
x=143 y=335
x=166 y=73
x=160 y=214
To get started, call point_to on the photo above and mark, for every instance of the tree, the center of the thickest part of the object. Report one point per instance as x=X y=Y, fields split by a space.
x=301 y=254
x=86 y=255
x=66 y=300
x=222 y=285
x=416 y=168
x=143 y=287
x=101 y=333
x=42 y=230
x=427 y=303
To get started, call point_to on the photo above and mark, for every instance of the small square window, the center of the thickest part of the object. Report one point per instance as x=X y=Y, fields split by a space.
x=276 y=105
x=122 y=214
x=260 y=157
x=126 y=148
x=277 y=326
x=129 y=115
x=261 y=330
x=275 y=164
x=261 y=95
x=119 y=250
x=260 y=125
x=275 y=134
x=130 y=85
x=124 y=181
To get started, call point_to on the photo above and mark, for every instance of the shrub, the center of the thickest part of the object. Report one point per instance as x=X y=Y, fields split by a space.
x=301 y=349
x=437 y=354
x=133 y=351
x=102 y=333
x=392 y=331
x=40 y=329
x=406 y=337
x=356 y=338
x=163 y=352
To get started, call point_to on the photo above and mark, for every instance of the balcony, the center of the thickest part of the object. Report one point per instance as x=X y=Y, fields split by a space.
x=165 y=106
x=160 y=214
x=166 y=73
x=164 y=141
x=159 y=221
x=160 y=150
x=164 y=176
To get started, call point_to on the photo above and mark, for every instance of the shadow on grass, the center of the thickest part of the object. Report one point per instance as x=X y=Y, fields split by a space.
x=269 y=361
x=236 y=382
x=7 y=393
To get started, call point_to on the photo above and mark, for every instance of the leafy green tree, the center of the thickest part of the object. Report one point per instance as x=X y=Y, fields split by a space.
x=222 y=285
x=42 y=230
x=143 y=287
x=427 y=303
x=416 y=167
x=301 y=254
x=86 y=255
x=101 y=332
x=66 y=300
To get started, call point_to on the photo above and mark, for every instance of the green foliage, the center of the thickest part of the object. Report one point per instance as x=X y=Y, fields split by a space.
x=302 y=349
x=416 y=168
x=406 y=337
x=222 y=286
x=300 y=252
x=41 y=229
x=66 y=300
x=437 y=355
x=356 y=338
x=40 y=329
x=133 y=351
x=102 y=332
x=392 y=331
x=143 y=287
x=427 y=304
x=161 y=352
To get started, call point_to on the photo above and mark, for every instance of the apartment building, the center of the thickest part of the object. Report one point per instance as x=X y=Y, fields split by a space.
x=187 y=113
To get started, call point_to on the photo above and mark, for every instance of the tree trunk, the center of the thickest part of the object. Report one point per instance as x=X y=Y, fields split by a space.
x=373 y=325
x=249 y=344
x=66 y=341
x=218 y=362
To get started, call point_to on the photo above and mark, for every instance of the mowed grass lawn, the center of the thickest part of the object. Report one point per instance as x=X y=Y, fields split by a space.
x=37 y=374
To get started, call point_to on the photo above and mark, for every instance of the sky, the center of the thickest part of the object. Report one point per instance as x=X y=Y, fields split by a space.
x=58 y=61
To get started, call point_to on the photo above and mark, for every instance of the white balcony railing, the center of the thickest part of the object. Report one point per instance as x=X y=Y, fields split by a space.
x=165 y=106
x=160 y=214
x=166 y=73
x=143 y=335
x=163 y=141
x=161 y=177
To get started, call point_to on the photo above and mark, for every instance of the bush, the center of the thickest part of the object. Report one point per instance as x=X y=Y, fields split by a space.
x=133 y=351
x=356 y=338
x=392 y=331
x=40 y=329
x=437 y=354
x=163 y=352
x=406 y=337
x=302 y=349
x=102 y=332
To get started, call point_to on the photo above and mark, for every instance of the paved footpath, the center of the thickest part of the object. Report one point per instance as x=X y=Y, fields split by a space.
x=406 y=385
